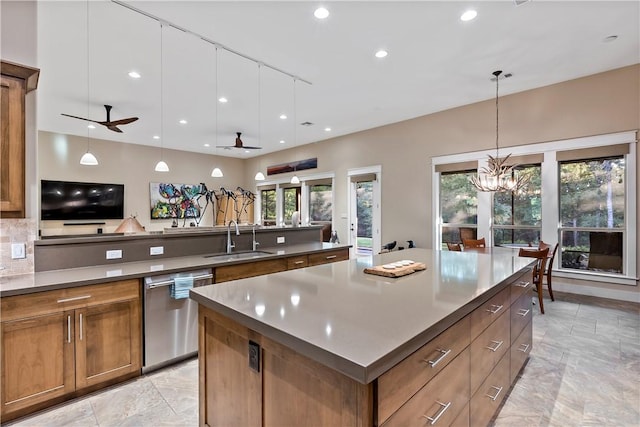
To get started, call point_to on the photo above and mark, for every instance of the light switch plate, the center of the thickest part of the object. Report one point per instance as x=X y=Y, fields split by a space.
x=280 y=239
x=114 y=254
x=18 y=251
x=156 y=250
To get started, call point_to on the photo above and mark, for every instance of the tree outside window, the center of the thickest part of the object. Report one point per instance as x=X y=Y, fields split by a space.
x=320 y=202
x=458 y=204
x=268 y=206
x=291 y=202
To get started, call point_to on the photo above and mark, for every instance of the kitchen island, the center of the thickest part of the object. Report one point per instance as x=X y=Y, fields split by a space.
x=331 y=345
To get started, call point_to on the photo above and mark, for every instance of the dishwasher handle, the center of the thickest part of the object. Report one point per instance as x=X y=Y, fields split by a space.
x=170 y=282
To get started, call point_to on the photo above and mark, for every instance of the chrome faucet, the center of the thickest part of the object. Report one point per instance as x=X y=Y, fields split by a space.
x=230 y=244
x=255 y=242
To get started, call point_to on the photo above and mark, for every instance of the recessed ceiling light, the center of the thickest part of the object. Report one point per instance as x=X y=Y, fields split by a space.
x=283 y=116
x=183 y=122
x=321 y=13
x=206 y=145
x=468 y=15
x=381 y=53
x=156 y=137
x=610 y=38
x=327 y=129
x=282 y=141
x=222 y=99
x=91 y=126
x=134 y=74
x=247 y=151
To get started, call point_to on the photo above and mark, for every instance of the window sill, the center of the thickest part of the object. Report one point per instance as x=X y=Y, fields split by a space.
x=614 y=279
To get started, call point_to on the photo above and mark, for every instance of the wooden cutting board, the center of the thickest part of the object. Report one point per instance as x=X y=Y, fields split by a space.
x=379 y=270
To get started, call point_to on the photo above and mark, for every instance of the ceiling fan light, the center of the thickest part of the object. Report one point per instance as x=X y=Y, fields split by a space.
x=216 y=173
x=162 y=166
x=295 y=179
x=259 y=176
x=88 y=159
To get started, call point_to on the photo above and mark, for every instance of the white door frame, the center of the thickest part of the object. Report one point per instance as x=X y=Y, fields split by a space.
x=376 y=220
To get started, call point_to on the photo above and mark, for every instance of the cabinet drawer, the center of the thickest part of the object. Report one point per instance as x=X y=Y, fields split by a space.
x=488 y=349
x=488 y=312
x=329 y=256
x=520 y=349
x=521 y=285
x=249 y=269
x=462 y=420
x=397 y=385
x=440 y=401
x=521 y=314
x=486 y=401
x=36 y=304
x=299 y=261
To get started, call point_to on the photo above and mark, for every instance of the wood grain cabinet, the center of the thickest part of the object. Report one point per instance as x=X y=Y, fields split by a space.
x=15 y=82
x=57 y=344
x=328 y=256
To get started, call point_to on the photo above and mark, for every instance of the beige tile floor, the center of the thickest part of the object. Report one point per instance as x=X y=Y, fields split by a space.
x=584 y=370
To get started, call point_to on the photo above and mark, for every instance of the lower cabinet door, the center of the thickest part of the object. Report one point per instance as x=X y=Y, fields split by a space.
x=487 y=399
x=108 y=342
x=520 y=350
x=37 y=360
x=440 y=401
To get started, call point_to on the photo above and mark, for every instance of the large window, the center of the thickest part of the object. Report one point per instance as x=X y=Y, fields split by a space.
x=291 y=203
x=592 y=214
x=268 y=206
x=458 y=204
x=517 y=217
x=320 y=202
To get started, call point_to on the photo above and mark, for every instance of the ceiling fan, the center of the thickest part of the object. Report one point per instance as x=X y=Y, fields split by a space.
x=239 y=144
x=111 y=125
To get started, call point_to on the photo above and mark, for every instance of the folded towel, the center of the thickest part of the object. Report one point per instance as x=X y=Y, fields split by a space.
x=181 y=286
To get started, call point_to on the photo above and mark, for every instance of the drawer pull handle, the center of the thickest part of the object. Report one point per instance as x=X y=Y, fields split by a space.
x=523 y=348
x=332 y=256
x=60 y=301
x=80 y=326
x=298 y=262
x=498 y=344
x=523 y=312
x=495 y=396
x=494 y=308
x=523 y=284
x=442 y=410
x=443 y=354
x=68 y=329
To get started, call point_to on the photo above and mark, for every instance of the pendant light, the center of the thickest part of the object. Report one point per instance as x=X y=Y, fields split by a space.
x=88 y=159
x=294 y=178
x=259 y=176
x=216 y=172
x=161 y=166
x=498 y=176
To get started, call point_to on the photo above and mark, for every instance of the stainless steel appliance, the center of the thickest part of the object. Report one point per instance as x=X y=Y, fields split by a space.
x=170 y=325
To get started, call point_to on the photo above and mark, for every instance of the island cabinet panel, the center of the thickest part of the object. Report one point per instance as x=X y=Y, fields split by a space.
x=488 y=312
x=488 y=349
x=329 y=256
x=487 y=399
x=523 y=284
x=462 y=420
x=440 y=401
x=401 y=382
x=252 y=269
x=299 y=261
x=521 y=315
x=520 y=349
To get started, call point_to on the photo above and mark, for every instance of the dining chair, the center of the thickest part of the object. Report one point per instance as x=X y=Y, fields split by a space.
x=454 y=247
x=539 y=269
x=473 y=243
x=468 y=233
x=547 y=272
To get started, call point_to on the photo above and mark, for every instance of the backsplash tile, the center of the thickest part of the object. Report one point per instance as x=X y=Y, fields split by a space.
x=21 y=230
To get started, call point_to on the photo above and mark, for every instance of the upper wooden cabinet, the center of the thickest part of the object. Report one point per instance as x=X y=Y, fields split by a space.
x=16 y=82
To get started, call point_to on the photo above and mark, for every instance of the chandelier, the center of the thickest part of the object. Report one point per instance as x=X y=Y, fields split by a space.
x=498 y=175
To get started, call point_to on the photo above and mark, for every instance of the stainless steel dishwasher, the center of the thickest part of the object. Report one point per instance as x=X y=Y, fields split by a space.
x=170 y=324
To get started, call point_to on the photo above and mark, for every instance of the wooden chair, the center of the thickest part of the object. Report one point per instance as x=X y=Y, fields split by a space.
x=454 y=247
x=473 y=243
x=539 y=269
x=468 y=233
x=547 y=272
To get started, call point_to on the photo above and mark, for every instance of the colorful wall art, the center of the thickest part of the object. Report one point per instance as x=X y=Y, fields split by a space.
x=176 y=200
x=293 y=166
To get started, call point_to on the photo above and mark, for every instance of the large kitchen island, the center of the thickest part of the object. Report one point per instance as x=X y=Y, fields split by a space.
x=331 y=345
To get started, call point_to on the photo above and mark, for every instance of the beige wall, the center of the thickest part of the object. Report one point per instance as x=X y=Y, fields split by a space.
x=131 y=165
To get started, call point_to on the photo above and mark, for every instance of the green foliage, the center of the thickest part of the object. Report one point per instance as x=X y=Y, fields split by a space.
x=320 y=202
x=268 y=207
x=364 y=197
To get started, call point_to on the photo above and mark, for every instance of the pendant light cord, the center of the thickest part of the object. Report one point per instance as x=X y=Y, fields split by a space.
x=497 y=74
x=88 y=77
x=161 y=96
x=216 y=100
x=259 y=109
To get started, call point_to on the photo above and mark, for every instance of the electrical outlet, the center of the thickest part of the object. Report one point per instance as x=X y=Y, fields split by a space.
x=280 y=239
x=114 y=254
x=18 y=251
x=156 y=250
x=254 y=356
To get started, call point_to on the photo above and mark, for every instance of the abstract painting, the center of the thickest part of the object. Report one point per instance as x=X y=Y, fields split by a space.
x=175 y=200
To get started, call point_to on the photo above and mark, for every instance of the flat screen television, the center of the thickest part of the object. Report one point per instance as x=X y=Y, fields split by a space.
x=64 y=200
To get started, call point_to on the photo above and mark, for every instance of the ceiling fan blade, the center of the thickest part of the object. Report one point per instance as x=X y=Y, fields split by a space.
x=81 y=118
x=251 y=148
x=113 y=128
x=123 y=121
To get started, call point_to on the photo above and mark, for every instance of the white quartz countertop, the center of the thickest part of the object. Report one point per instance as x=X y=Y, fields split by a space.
x=360 y=324
x=71 y=277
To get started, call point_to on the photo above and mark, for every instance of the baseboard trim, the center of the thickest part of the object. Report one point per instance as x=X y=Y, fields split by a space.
x=631 y=295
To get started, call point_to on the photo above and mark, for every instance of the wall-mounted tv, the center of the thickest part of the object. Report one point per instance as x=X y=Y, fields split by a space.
x=64 y=200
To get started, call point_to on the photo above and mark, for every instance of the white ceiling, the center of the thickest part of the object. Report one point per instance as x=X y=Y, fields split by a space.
x=435 y=62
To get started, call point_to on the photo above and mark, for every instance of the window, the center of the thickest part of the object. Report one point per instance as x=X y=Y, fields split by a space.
x=320 y=202
x=291 y=202
x=517 y=217
x=592 y=214
x=268 y=206
x=458 y=204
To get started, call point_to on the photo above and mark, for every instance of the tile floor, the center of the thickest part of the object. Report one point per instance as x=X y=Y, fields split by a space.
x=584 y=370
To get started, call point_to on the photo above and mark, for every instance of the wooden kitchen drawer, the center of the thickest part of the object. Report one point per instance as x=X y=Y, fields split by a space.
x=249 y=269
x=441 y=400
x=462 y=420
x=39 y=303
x=329 y=256
x=488 y=349
x=520 y=349
x=486 y=401
x=397 y=385
x=521 y=285
x=485 y=315
x=521 y=314
x=299 y=261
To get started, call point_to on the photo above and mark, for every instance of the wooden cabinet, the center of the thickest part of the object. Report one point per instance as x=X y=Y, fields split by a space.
x=299 y=261
x=15 y=81
x=328 y=256
x=249 y=269
x=57 y=343
x=488 y=349
x=486 y=401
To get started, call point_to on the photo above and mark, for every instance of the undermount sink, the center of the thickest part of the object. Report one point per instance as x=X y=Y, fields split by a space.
x=238 y=255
